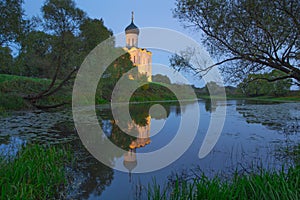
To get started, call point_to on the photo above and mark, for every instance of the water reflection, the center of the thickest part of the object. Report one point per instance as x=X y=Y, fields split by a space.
x=137 y=130
x=89 y=177
x=252 y=133
x=9 y=146
x=210 y=105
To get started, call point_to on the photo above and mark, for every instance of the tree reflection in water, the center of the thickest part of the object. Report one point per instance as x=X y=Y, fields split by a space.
x=97 y=175
x=137 y=129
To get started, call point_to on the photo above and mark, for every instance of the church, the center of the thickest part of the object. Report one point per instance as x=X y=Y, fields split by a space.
x=141 y=58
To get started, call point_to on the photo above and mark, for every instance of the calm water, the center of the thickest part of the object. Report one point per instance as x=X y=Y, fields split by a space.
x=254 y=134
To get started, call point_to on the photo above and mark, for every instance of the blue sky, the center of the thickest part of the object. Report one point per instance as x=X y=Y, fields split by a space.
x=117 y=15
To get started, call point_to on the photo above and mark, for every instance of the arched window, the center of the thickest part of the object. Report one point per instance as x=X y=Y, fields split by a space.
x=132 y=42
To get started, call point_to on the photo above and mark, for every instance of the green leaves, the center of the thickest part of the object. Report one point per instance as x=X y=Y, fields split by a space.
x=92 y=33
x=62 y=16
x=262 y=34
x=265 y=84
x=10 y=20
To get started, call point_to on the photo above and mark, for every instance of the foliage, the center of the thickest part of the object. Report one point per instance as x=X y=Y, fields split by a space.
x=212 y=88
x=11 y=102
x=258 y=85
x=12 y=88
x=35 y=173
x=161 y=79
x=6 y=59
x=10 y=21
x=54 y=47
x=265 y=185
x=250 y=36
x=111 y=76
x=63 y=19
x=35 y=58
x=160 y=92
x=92 y=33
x=62 y=16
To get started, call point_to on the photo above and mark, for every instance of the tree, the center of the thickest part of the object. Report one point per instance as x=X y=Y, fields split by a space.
x=62 y=19
x=161 y=79
x=258 y=85
x=10 y=20
x=281 y=87
x=62 y=16
x=254 y=85
x=92 y=33
x=250 y=36
x=212 y=88
x=112 y=75
x=35 y=58
x=6 y=60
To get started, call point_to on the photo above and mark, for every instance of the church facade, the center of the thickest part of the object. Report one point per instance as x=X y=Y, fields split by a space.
x=141 y=58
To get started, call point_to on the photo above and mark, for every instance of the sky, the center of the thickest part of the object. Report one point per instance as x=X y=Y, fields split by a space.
x=116 y=15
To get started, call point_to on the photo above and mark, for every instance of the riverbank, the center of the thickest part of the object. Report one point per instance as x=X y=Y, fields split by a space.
x=39 y=172
x=90 y=177
x=14 y=88
x=36 y=172
x=264 y=185
x=292 y=98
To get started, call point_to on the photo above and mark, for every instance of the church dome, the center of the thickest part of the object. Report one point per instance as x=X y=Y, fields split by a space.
x=130 y=165
x=132 y=28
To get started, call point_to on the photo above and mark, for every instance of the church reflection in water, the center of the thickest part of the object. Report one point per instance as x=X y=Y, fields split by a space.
x=142 y=139
x=136 y=130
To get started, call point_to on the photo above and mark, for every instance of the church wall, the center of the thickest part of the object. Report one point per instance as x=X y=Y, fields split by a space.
x=143 y=60
x=132 y=40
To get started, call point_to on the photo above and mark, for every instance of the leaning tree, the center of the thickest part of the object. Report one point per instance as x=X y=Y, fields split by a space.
x=246 y=36
x=62 y=19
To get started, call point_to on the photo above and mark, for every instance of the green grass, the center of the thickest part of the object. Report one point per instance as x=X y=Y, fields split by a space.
x=261 y=98
x=35 y=173
x=11 y=102
x=7 y=77
x=265 y=185
x=13 y=88
x=278 y=99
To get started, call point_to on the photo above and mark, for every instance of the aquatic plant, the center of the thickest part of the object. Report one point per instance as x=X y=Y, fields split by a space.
x=36 y=172
x=263 y=185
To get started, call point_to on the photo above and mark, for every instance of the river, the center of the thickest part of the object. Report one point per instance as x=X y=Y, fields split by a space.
x=255 y=135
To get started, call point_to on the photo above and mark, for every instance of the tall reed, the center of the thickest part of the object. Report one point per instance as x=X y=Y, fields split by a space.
x=36 y=172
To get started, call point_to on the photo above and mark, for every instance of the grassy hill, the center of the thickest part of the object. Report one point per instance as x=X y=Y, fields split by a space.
x=13 y=88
